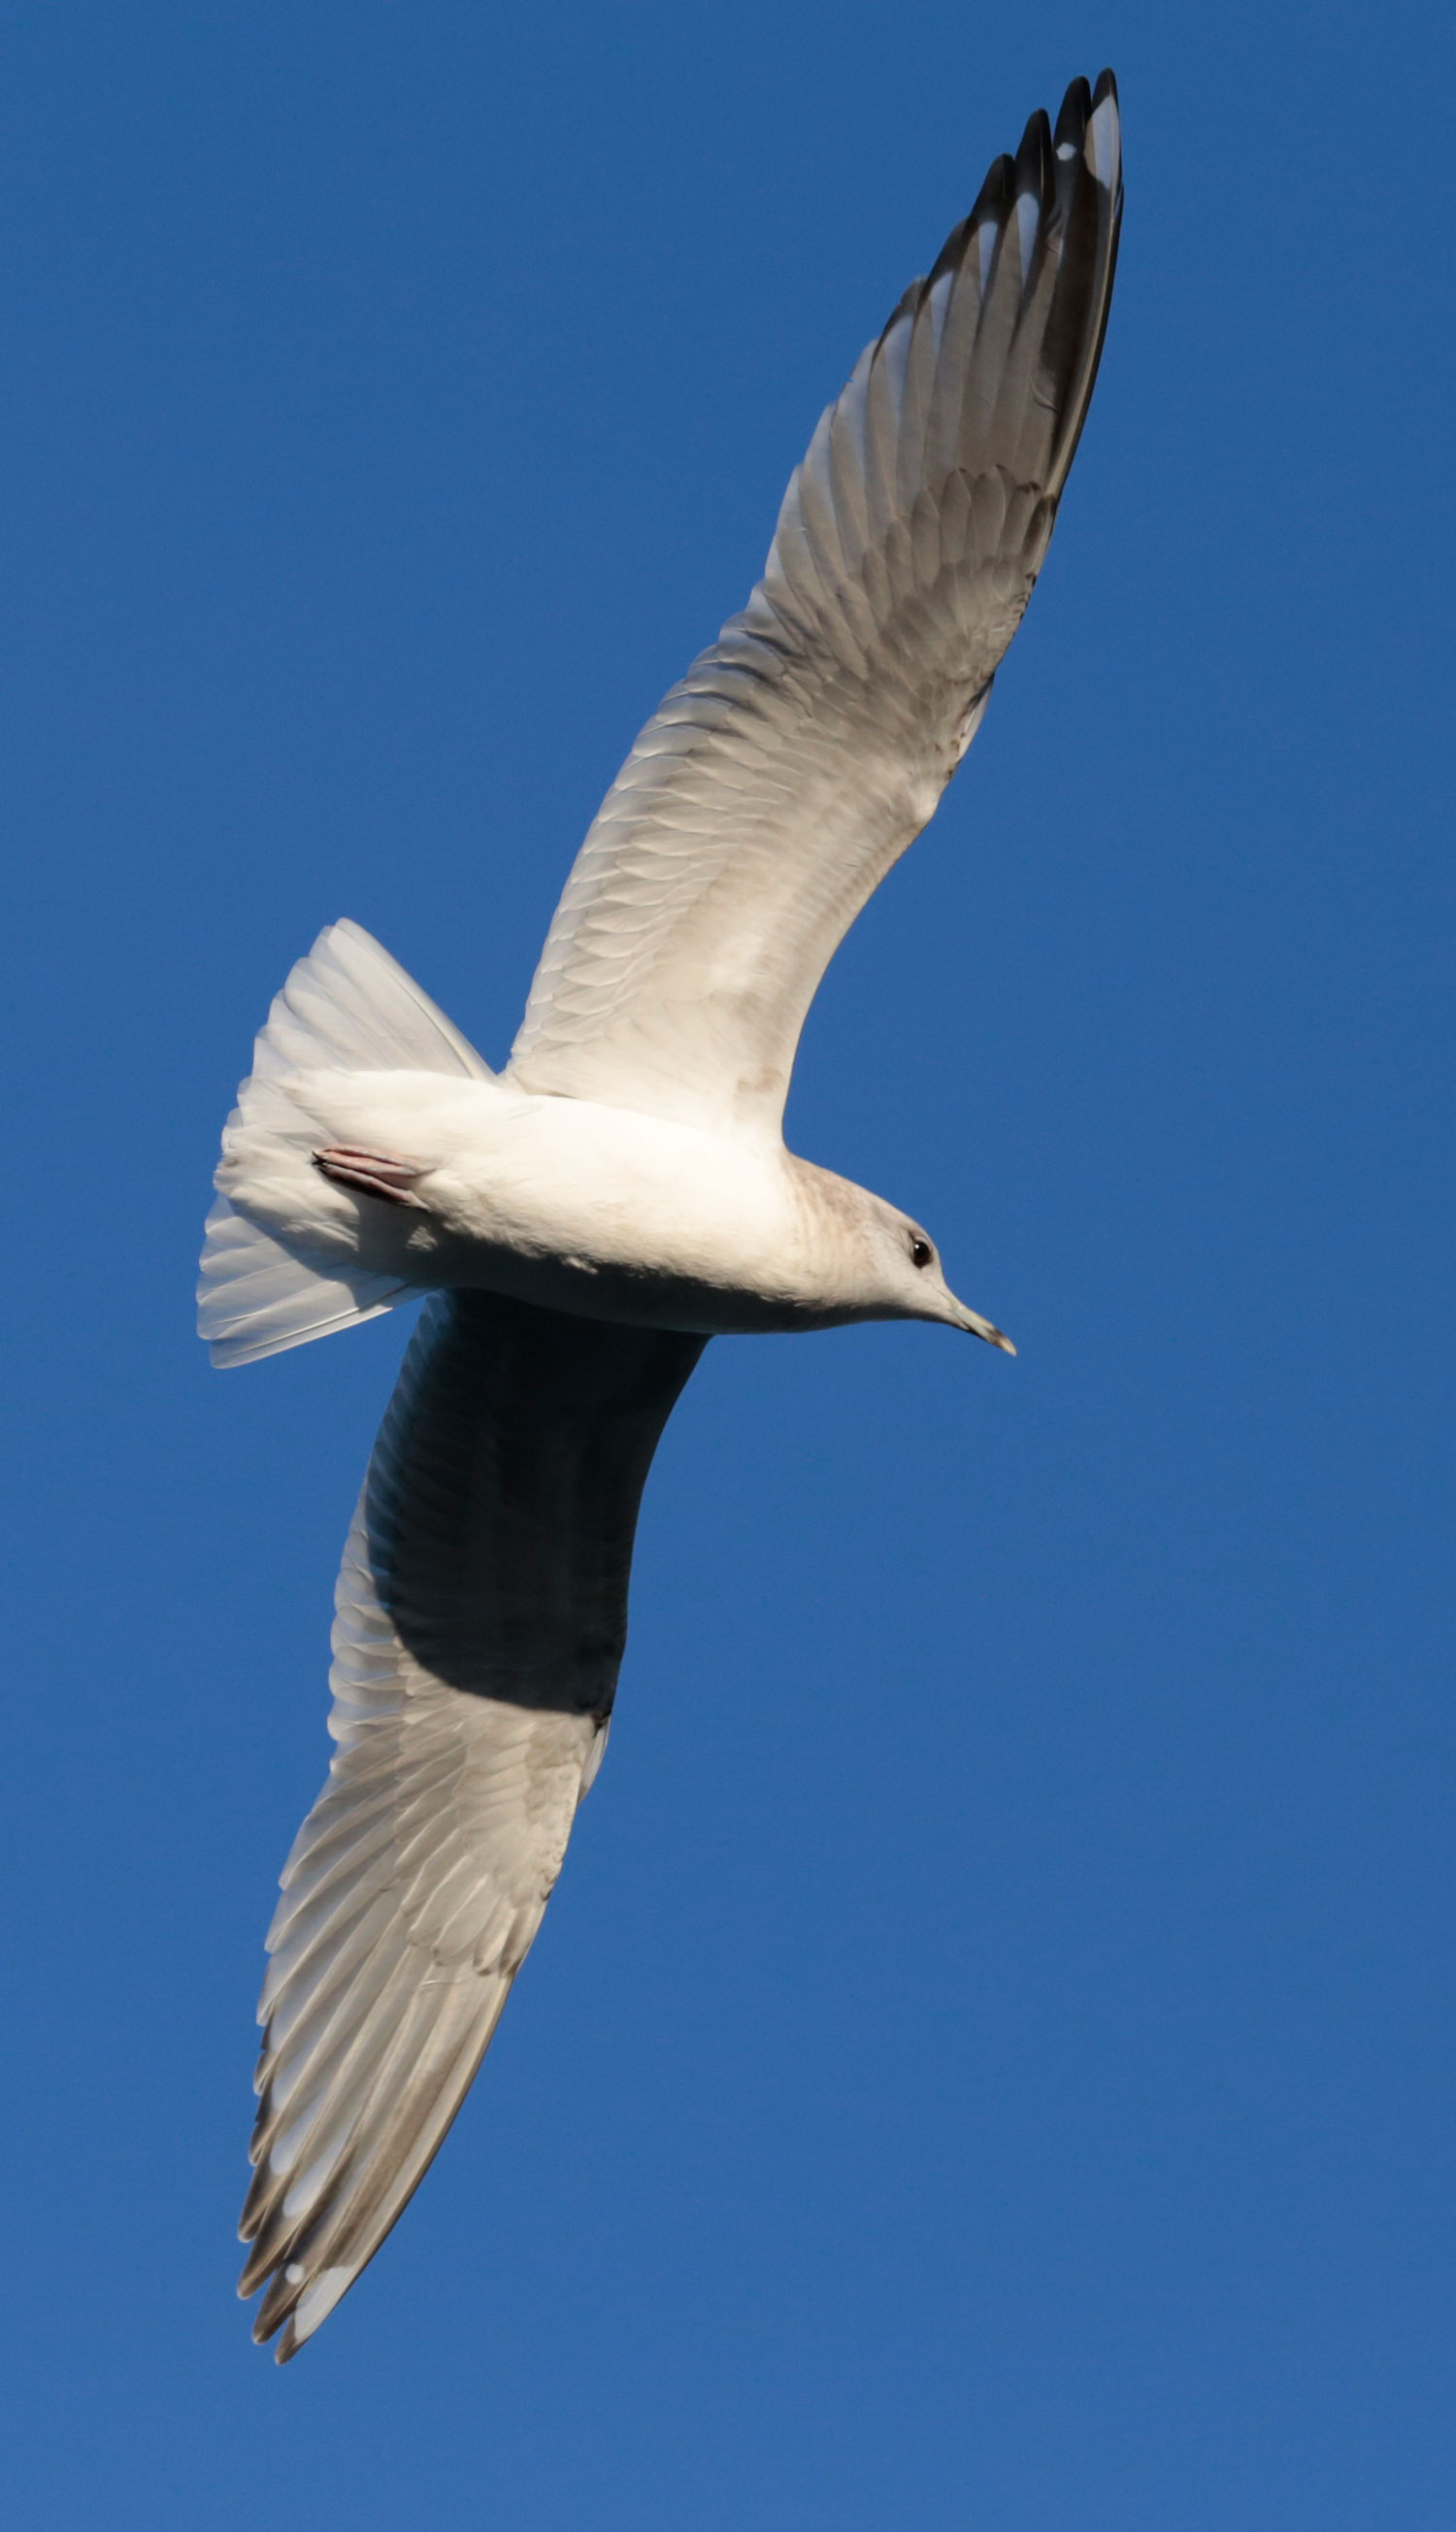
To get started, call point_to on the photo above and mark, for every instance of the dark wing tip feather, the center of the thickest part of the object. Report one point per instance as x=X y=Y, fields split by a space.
x=1033 y=163
x=996 y=196
x=1072 y=120
x=1072 y=172
x=1089 y=214
x=913 y=297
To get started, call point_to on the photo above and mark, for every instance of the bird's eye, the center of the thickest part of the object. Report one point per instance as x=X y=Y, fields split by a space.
x=921 y=1251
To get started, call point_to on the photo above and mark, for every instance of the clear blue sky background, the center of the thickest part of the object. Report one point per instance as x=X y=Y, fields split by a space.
x=990 y=2060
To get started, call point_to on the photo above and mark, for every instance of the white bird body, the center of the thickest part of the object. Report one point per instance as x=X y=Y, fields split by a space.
x=584 y=1222
x=578 y=1206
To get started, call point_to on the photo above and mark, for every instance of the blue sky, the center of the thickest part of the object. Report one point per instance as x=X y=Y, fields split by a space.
x=990 y=2059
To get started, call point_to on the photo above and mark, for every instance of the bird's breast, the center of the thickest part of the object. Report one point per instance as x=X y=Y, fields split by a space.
x=618 y=1216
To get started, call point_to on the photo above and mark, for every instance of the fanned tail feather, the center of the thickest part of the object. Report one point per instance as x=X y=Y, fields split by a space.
x=254 y=1297
x=347 y=1008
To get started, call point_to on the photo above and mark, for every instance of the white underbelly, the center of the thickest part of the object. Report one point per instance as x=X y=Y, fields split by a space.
x=571 y=1204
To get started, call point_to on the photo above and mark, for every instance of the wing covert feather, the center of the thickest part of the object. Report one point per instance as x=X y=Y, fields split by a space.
x=482 y=1612
x=809 y=745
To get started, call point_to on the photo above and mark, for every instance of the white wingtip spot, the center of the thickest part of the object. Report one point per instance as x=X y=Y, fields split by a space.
x=1066 y=149
x=1028 y=220
x=319 y=2300
x=1101 y=141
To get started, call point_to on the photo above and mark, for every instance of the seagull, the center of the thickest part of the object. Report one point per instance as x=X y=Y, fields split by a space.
x=584 y=1222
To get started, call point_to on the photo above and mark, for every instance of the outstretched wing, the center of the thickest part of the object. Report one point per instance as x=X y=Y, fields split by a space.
x=806 y=749
x=482 y=1616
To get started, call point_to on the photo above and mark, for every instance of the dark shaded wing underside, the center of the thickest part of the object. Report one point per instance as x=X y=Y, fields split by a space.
x=482 y=1612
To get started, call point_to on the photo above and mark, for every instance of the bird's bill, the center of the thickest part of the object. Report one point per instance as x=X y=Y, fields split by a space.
x=976 y=1326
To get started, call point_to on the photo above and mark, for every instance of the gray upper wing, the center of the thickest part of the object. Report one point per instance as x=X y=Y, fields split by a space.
x=481 y=1615
x=806 y=749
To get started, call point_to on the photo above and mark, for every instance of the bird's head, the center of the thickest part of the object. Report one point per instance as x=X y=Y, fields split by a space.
x=916 y=1283
x=881 y=1261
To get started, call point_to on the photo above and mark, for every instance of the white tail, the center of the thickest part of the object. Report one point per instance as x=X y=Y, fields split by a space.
x=347 y=1008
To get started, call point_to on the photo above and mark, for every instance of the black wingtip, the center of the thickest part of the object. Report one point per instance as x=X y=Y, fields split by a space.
x=947 y=260
x=1033 y=162
x=1106 y=86
x=1071 y=122
x=997 y=193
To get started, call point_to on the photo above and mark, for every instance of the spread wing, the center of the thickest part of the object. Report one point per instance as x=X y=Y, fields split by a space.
x=482 y=1616
x=806 y=749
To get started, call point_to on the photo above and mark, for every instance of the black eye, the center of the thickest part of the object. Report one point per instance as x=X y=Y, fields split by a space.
x=921 y=1251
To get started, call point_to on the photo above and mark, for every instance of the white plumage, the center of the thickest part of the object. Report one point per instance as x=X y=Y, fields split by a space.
x=589 y=1219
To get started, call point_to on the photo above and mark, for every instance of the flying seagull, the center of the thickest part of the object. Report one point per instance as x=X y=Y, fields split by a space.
x=584 y=1221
